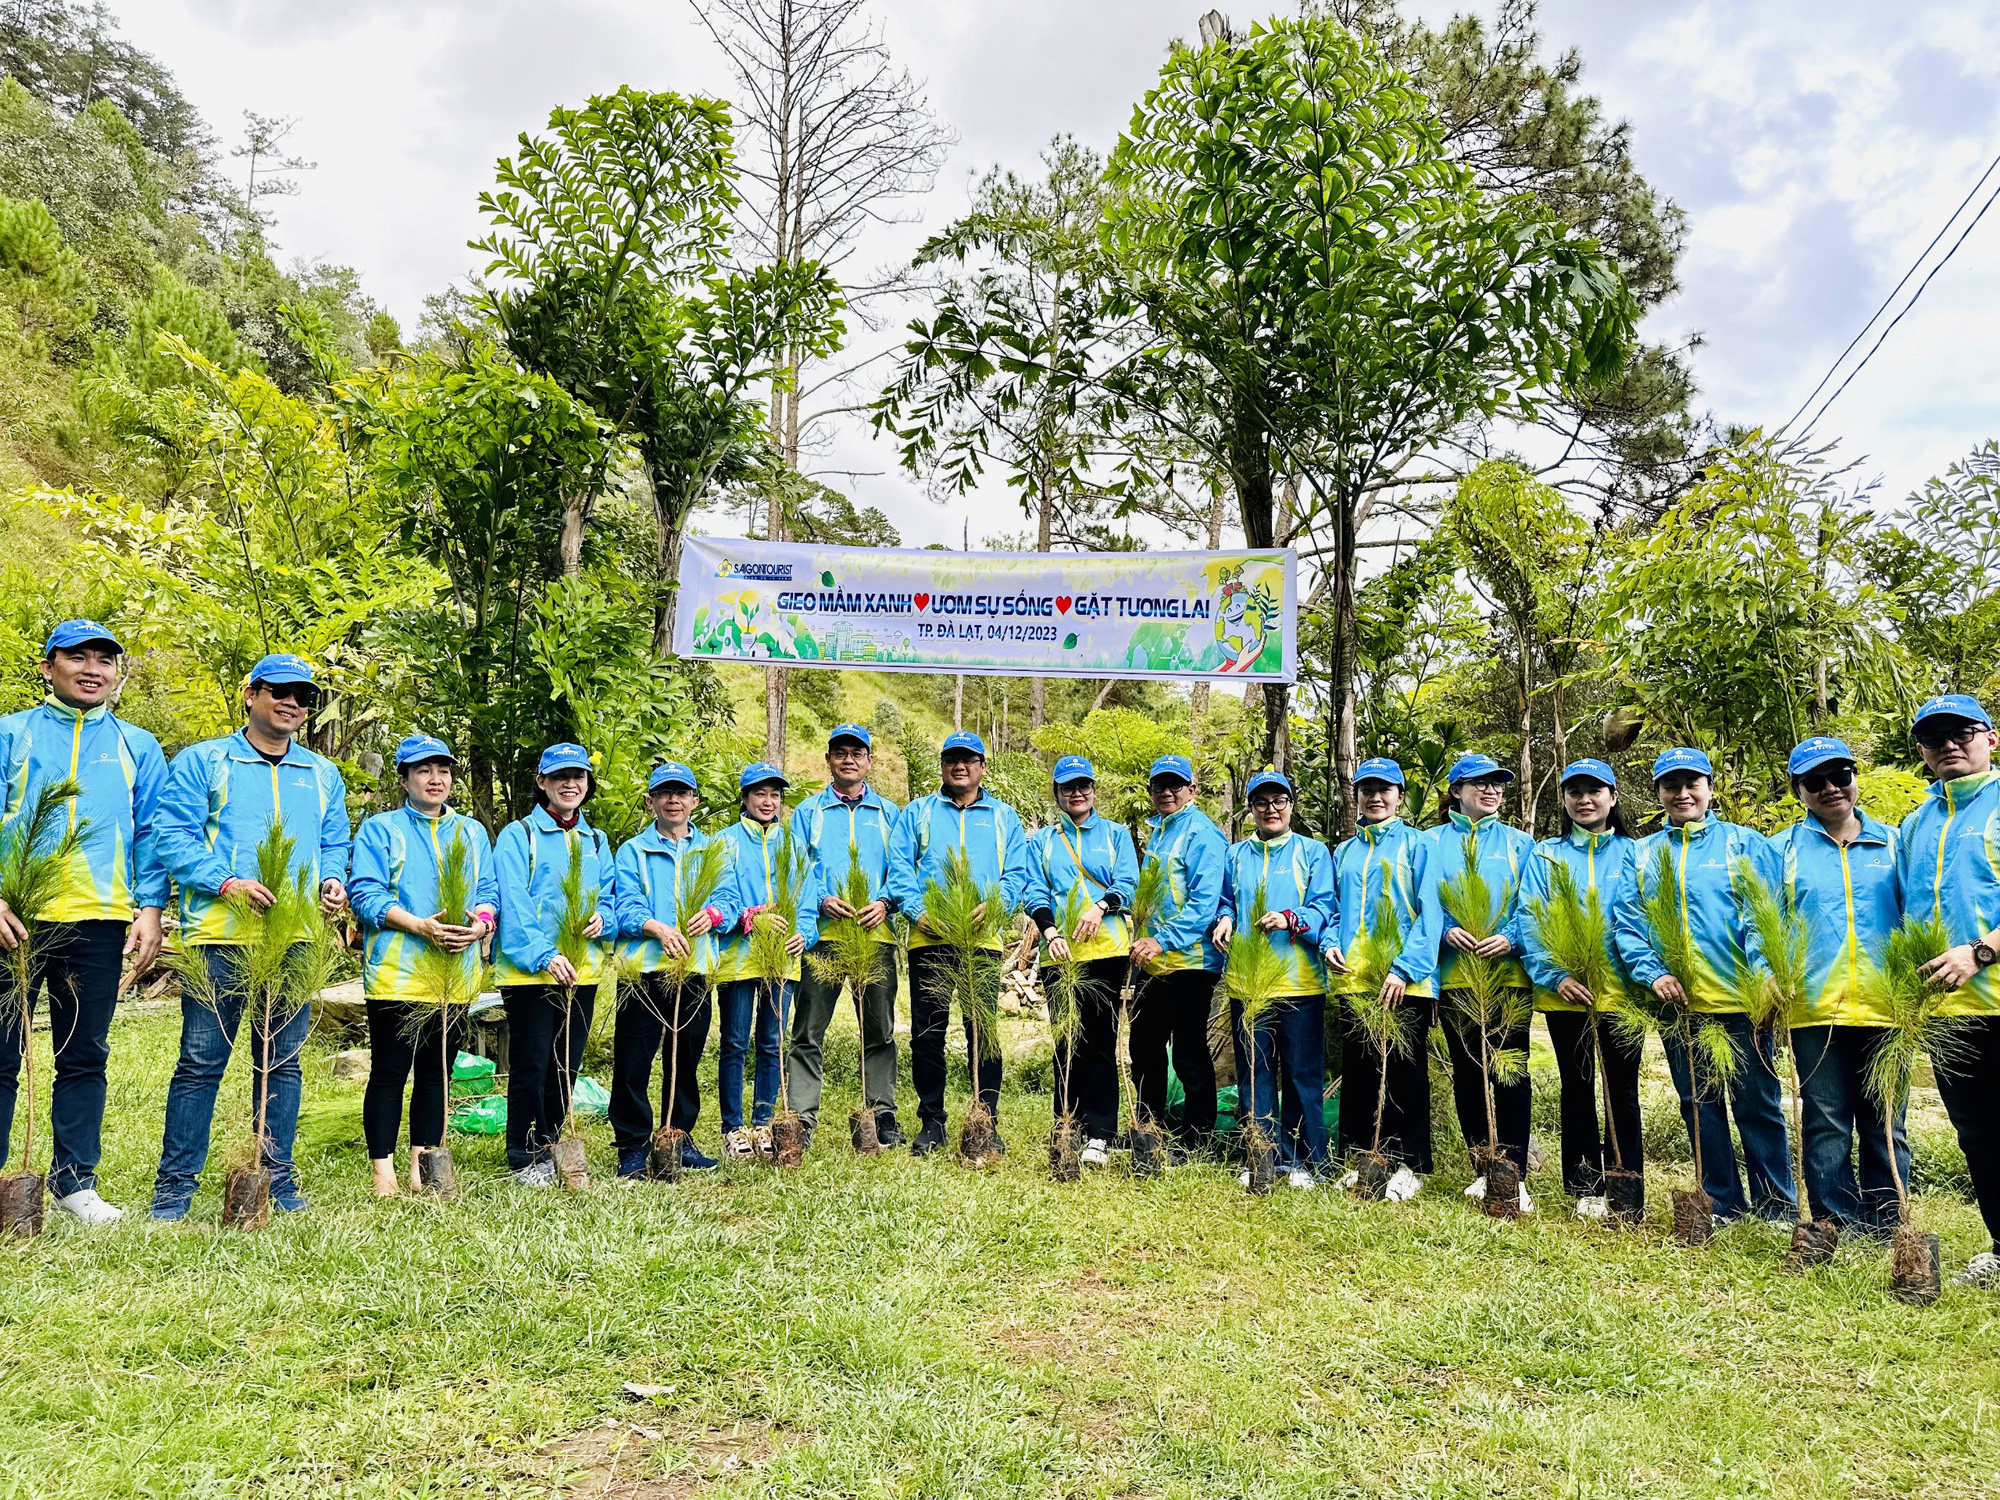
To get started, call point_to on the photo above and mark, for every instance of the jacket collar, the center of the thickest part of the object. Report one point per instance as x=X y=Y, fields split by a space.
x=296 y=754
x=70 y=715
x=828 y=797
x=1960 y=790
x=1373 y=832
x=1873 y=830
x=760 y=831
x=539 y=821
x=1583 y=838
x=1081 y=828
x=655 y=842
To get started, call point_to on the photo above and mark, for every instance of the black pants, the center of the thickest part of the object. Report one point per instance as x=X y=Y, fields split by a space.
x=402 y=1036
x=1172 y=1010
x=1406 y=1104
x=1511 y=1101
x=541 y=1068
x=1971 y=1094
x=932 y=975
x=1585 y=1152
x=649 y=1026
x=1086 y=1072
x=78 y=966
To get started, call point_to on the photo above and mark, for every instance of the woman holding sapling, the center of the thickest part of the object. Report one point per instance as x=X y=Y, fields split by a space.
x=1701 y=852
x=424 y=886
x=1386 y=858
x=556 y=875
x=1595 y=852
x=1283 y=882
x=1086 y=864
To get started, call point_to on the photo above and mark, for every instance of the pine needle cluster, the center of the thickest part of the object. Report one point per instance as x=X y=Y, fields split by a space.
x=971 y=921
x=1492 y=1007
x=448 y=981
x=1914 y=1003
x=768 y=959
x=850 y=948
x=1571 y=925
x=1773 y=996
x=579 y=906
x=1388 y=1027
x=699 y=876
x=35 y=858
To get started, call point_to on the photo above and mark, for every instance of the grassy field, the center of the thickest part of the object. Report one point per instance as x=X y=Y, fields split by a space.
x=894 y=1327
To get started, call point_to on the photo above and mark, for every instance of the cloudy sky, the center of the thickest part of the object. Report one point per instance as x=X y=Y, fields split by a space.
x=1817 y=146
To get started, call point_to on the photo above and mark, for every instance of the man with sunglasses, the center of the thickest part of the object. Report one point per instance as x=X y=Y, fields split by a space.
x=1840 y=881
x=221 y=798
x=1950 y=870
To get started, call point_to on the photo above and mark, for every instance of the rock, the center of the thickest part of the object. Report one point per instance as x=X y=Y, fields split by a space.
x=339 y=1009
x=352 y=1063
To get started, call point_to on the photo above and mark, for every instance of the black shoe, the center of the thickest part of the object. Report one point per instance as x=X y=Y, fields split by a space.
x=888 y=1132
x=999 y=1146
x=632 y=1163
x=929 y=1139
x=694 y=1159
x=806 y=1138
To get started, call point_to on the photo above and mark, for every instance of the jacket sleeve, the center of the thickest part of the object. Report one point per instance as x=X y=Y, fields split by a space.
x=730 y=898
x=1526 y=931
x=1018 y=872
x=1039 y=895
x=149 y=876
x=1231 y=904
x=486 y=894
x=811 y=887
x=1631 y=934
x=1203 y=900
x=520 y=938
x=371 y=888
x=1419 y=958
x=336 y=834
x=905 y=881
x=181 y=824
x=629 y=891
x=1125 y=864
x=1322 y=900
x=607 y=888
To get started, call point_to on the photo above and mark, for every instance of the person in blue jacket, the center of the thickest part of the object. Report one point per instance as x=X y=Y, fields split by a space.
x=1291 y=875
x=1086 y=864
x=1178 y=962
x=221 y=798
x=550 y=996
x=111 y=900
x=760 y=847
x=1838 y=865
x=845 y=827
x=1703 y=854
x=959 y=816
x=1386 y=857
x=666 y=1013
x=1478 y=784
x=420 y=965
x=1949 y=863
x=1595 y=847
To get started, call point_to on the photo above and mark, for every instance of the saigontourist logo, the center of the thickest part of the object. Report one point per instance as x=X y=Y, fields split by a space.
x=759 y=572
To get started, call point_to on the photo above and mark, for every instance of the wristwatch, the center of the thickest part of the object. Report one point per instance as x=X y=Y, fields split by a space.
x=1983 y=955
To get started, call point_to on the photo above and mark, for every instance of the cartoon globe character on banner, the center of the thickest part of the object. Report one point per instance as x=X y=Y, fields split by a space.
x=1242 y=621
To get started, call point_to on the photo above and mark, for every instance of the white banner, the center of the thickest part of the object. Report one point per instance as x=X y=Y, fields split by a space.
x=1195 y=616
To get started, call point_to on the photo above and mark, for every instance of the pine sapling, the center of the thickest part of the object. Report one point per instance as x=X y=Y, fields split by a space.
x=970 y=921
x=770 y=962
x=1388 y=1027
x=699 y=874
x=1062 y=984
x=1494 y=1010
x=1149 y=896
x=449 y=983
x=851 y=956
x=573 y=942
x=1255 y=977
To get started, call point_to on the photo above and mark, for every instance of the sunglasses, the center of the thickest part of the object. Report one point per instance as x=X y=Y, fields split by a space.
x=1938 y=737
x=1815 y=782
x=302 y=693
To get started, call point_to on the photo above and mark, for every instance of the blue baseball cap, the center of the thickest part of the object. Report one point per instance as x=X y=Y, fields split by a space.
x=757 y=773
x=73 y=633
x=1474 y=766
x=963 y=739
x=564 y=757
x=1682 y=758
x=1381 y=768
x=1267 y=778
x=850 y=732
x=1953 y=706
x=671 y=773
x=1073 y=768
x=415 y=749
x=282 y=666
x=1172 y=765
x=1596 y=770
x=1816 y=751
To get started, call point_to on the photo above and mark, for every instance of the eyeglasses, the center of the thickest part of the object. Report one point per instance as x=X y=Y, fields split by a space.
x=1938 y=737
x=1815 y=782
x=1270 y=804
x=302 y=693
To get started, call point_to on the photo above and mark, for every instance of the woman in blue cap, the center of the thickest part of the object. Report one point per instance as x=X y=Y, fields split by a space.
x=1596 y=849
x=1703 y=853
x=550 y=1000
x=1478 y=783
x=398 y=861
x=1092 y=860
x=1386 y=857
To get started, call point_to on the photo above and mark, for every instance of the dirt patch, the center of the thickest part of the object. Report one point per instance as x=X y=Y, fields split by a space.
x=632 y=1461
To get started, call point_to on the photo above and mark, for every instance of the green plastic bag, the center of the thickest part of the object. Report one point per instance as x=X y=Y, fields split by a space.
x=472 y=1076
x=593 y=1100
x=487 y=1116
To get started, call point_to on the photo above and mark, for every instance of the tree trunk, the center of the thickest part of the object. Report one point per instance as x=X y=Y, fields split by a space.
x=958 y=702
x=670 y=568
x=785 y=409
x=1523 y=696
x=1340 y=666
x=572 y=534
x=1038 y=688
x=1198 y=699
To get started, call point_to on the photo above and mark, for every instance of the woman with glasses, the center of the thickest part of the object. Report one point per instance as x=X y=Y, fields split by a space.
x=1840 y=880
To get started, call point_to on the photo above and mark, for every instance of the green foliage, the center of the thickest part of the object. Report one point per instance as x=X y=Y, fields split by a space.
x=700 y=876
x=768 y=959
x=1938 y=561
x=1122 y=744
x=851 y=948
x=1778 y=992
x=1377 y=947
x=1914 y=1003
x=37 y=849
x=579 y=905
x=451 y=979
x=972 y=922
x=1573 y=930
x=1255 y=972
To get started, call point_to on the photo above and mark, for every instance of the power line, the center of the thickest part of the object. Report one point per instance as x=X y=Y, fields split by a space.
x=1943 y=229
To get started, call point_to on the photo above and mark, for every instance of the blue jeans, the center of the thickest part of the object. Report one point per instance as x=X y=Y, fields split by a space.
x=1288 y=1052
x=738 y=1001
x=1754 y=1098
x=77 y=965
x=1833 y=1060
x=208 y=1037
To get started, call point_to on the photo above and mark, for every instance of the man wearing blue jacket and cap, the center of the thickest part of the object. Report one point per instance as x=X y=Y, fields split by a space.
x=845 y=830
x=1950 y=869
x=958 y=817
x=221 y=798
x=111 y=898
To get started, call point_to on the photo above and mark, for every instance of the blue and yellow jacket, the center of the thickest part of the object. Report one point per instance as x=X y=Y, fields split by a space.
x=1295 y=874
x=757 y=854
x=1713 y=911
x=838 y=836
x=1194 y=852
x=398 y=860
x=1949 y=860
x=1391 y=856
x=532 y=856
x=1600 y=862
x=122 y=771
x=1095 y=858
x=220 y=800
x=1503 y=853
x=1850 y=898
x=649 y=890
x=930 y=828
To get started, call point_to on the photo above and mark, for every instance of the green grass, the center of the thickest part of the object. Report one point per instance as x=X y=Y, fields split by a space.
x=905 y=1328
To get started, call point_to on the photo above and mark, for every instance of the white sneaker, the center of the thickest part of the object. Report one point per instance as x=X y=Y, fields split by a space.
x=536 y=1174
x=1593 y=1208
x=739 y=1144
x=1096 y=1152
x=1527 y=1203
x=1301 y=1179
x=1404 y=1186
x=1478 y=1187
x=1350 y=1181
x=86 y=1207
x=1243 y=1178
x=1984 y=1271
